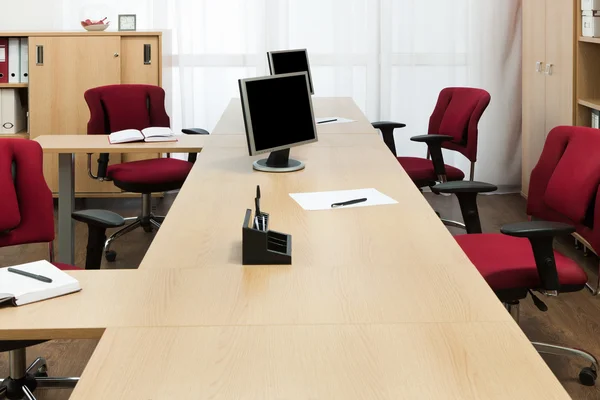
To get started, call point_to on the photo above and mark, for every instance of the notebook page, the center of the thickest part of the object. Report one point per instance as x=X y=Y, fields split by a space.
x=20 y=286
x=124 y=136
x=157 y=131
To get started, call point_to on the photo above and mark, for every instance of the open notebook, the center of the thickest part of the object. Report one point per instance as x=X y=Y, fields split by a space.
x=152 y=134
x=19 y=290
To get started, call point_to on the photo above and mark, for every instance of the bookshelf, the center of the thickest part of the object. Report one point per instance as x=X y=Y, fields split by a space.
x=13 y=85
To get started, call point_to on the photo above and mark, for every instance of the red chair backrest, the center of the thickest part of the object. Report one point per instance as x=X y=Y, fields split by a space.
x=117 y=107
x=457 y=114
x=565 y=183
x=26 y=206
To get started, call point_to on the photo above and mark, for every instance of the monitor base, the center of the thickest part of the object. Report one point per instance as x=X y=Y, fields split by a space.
x=278 y=161
x=292 y=166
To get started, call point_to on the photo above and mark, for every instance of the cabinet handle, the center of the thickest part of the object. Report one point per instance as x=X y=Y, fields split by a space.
x=147 y=54
x=116 y=55
x=39 y=54
x=538 y=66
x=549 y=69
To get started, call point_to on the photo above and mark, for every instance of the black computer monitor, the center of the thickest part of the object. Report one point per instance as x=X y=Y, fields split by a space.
x=278 y=115
x=287 y=61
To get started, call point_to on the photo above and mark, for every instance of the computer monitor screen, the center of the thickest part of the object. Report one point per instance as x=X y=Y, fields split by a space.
x=287 y=61
x=278 y=113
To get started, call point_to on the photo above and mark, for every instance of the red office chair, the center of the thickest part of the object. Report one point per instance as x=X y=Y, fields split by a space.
x=27 y=216
x=579 y=199
x=117 y=107
x=522 y=259
x=454 y=126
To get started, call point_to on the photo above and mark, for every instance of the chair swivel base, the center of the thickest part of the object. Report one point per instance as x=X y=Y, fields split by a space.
x=36 y=377
x=587 y=375
x=148 y=223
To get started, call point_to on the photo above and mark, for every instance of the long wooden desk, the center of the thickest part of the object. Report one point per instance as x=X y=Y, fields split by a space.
x=380 y=302
x=66 y=146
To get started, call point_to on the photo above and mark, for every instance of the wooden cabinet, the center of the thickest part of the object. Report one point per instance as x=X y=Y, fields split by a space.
x=548 y=74
x=62 y=66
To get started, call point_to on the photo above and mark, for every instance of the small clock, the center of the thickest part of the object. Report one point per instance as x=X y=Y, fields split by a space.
x=127 y=22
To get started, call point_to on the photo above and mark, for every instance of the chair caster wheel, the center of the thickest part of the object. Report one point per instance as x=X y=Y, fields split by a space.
x=588 y=376
x=110 y=256
x=148 y=229
x=42 y=371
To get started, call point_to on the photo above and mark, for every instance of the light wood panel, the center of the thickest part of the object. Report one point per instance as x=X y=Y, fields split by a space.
x=370 y=235
x=431 y=361
x=534 y=86
x=56 y=103
x=236 y=296
x=232 y=121
x=133 y=69
x=55 y=144
x=560 y=38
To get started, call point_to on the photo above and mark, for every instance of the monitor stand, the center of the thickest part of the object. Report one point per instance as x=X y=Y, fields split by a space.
x=278 y=161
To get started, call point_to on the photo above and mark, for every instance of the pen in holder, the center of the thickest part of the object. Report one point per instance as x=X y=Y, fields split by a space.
x=260 y=246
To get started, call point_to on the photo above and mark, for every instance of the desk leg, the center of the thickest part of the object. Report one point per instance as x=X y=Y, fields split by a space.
x=66 y=206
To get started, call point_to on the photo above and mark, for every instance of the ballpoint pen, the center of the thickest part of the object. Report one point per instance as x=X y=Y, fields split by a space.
x=30 y=275
x=329 y=120
x=348 y=203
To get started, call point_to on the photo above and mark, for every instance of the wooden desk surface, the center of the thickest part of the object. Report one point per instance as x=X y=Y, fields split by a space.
x=232 y=121
x=206 y=219
x=380 y=302
x=100 y=144
x=237 y=296
x=398 y=361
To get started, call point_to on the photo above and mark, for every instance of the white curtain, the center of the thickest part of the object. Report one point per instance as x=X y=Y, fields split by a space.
x=392 y=56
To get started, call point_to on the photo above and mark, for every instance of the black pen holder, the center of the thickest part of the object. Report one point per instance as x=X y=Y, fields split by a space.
x=260 y=246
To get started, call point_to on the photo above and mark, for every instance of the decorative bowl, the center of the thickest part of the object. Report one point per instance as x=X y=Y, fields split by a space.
x=89 y=25
x=95 y=28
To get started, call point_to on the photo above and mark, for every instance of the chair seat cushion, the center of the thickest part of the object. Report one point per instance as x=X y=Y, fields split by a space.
x=421 y=170
x=507 y=263
x=149 y=176
x=66 y=267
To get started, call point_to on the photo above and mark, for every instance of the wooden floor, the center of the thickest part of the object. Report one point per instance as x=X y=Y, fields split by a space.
x=572 y=320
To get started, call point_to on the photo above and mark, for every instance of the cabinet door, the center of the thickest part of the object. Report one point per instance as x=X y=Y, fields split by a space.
x=70 y=66
x=140 y=59
x=534 y=86
x=560 y=28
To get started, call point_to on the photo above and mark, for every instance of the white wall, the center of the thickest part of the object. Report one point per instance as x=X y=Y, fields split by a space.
x=25 y=15
x=35 y=15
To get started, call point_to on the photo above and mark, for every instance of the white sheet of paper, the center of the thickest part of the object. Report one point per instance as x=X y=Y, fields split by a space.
x=338 y=120
x=323 y=200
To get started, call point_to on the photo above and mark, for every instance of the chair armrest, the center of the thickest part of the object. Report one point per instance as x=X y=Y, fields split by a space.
x=541 y=236
x=464 y=187
x=434 y=145
x=388 y=125
x=537 y=229
x=432 y=139
x=99 y=218
x=192 y=157
x=387 y=131
x=466 y=192
x=195 y=131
